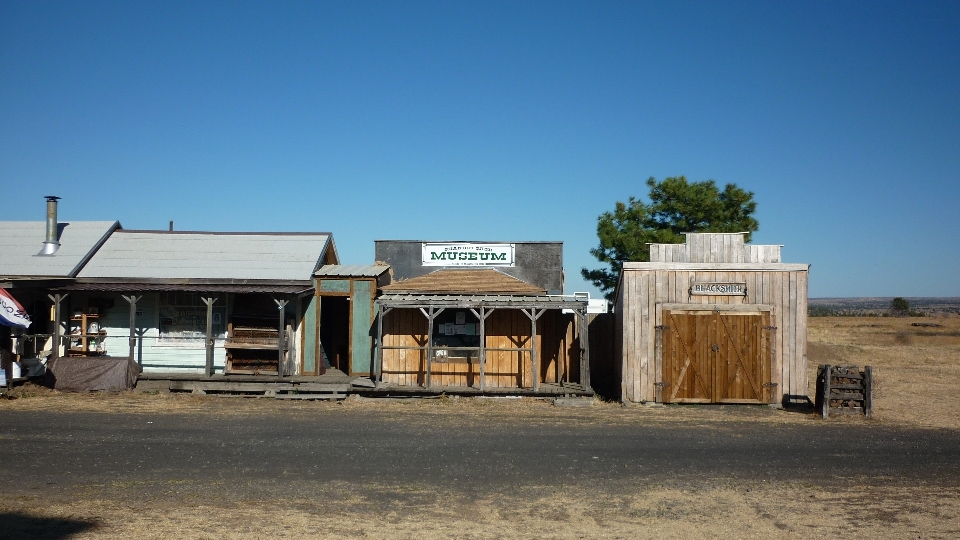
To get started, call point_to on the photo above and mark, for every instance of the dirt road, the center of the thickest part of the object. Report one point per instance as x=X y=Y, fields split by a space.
x=247 y=469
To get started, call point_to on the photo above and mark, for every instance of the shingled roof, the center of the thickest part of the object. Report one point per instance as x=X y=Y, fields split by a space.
x=464 y=282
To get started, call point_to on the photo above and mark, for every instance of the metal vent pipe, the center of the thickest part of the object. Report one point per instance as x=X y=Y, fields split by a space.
x=51 y=245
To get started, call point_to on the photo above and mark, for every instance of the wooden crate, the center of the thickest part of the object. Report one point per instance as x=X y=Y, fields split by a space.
x=844 y=390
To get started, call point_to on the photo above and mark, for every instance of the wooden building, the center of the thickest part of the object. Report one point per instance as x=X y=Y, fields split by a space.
x=475 y=315
x=713 y=320
x=340 y=317
x=179 y=302
x=199 y=302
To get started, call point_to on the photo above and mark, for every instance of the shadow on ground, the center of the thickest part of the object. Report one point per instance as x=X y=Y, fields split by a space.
x=20 y=525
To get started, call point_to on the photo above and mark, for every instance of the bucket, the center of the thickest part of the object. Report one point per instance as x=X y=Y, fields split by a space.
x=14 y=370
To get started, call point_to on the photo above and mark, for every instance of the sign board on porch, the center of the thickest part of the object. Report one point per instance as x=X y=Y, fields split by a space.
x=467 y=254
x=719 y=289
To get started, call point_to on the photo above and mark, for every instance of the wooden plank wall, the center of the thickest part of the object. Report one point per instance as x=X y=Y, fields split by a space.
x=558 y=351
x=641 y=291
x=668 y=253
x=714 y=247
x=756 y=253
x=728 y=245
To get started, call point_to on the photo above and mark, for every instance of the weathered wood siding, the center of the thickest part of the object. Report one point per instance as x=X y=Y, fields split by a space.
x=557 y=348
x=715 y=247
x=646 y=289
x=310 y=332
x=361 y=323
x=762 y=254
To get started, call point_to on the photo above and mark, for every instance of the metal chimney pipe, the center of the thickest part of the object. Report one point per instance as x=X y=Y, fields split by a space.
x=51 y=245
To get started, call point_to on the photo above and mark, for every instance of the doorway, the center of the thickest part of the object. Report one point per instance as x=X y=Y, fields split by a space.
x=335 y=332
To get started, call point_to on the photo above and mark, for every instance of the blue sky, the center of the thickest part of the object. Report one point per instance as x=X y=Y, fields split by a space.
x=496 y=121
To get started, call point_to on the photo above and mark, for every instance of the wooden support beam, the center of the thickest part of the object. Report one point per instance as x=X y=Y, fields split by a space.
x=868 y=391
x=57 y=300
x=482 y=315
x=281 y=336
x=208 y=370
x=132 y=300
x=584 y=348
x=430 y=314
x=825 y=392
x=533 y=314
x=381 y=313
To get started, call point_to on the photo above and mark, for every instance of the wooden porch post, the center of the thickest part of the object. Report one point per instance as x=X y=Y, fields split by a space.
x=584 y=349
x=429 y=364
x=132 y=300
x=208 y=371
x=381 y=312
x=534 y=314
x=482 y=315
x=57 y=299
x=281 y=336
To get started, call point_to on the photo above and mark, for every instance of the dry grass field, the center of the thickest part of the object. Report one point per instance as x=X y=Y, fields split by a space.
x=917 y=368
x=917 y=375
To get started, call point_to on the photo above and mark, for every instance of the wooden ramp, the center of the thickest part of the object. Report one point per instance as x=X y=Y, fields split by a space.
x=546 y=390
x=334 y=386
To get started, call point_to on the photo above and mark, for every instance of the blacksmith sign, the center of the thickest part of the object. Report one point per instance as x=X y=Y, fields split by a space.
x=719 y=289
x=468 y=254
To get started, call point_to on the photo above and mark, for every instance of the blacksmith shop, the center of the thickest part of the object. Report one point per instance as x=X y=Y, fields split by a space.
x=479 y=315
x=713 y=320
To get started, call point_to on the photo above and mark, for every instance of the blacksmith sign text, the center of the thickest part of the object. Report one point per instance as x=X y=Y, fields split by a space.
x=719 y=289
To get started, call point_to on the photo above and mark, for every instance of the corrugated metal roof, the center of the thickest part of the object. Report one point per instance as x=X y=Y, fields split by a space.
x=190 y=287
x=205 y=255
x=450 y=281
x=20 y=242
x=468 y=301
x=351 y=270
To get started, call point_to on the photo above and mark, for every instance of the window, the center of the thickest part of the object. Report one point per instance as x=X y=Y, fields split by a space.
x=183 y=318
x=454 y=330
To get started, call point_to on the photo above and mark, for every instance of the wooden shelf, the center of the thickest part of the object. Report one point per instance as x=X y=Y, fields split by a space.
x=251 y=347
x=84 y=342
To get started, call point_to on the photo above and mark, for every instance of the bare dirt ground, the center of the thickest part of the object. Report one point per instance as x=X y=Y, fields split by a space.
x=917 y=370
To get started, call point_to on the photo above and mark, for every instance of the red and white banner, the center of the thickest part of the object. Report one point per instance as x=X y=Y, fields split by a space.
x=11 y=312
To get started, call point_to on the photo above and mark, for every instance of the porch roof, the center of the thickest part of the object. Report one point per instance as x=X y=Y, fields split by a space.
x=239 y=286
x=450 y=281
x=475 y=301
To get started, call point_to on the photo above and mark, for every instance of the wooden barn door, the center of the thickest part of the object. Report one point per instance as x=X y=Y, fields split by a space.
x=715 y=357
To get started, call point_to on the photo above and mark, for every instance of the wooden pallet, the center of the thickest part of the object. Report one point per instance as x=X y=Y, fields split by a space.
x=844 y=390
